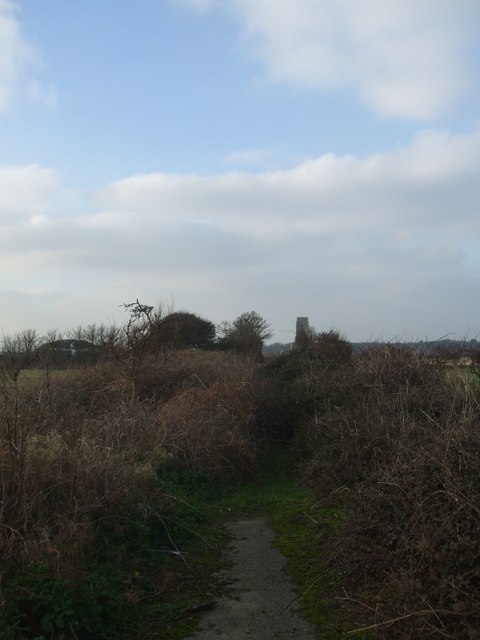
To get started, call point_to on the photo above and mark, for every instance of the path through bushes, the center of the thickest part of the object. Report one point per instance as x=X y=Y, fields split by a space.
x=113 y=480
x=258 y=601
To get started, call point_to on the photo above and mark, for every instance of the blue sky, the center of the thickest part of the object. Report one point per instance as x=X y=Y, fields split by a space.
x=296 y=157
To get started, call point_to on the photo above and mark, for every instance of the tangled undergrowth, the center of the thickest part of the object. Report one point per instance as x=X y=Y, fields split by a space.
x=397 y=436
x=92 y=460
x=84 y=513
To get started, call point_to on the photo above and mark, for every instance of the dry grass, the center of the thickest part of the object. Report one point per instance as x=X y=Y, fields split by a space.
x=80 y=454
x=77 y=449
x=404 y=441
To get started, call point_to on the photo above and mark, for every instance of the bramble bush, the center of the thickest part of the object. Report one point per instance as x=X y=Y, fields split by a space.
x=82 y=503
x=398 y=435
x=90 y=458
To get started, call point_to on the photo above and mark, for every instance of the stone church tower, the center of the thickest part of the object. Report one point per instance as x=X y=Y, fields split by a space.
x=302 y=333
x=303 y=326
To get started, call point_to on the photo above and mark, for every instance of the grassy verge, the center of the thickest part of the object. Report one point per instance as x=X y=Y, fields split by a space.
x=303 y=529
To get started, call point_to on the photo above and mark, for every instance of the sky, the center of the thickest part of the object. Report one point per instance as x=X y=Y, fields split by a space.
x=314 y=158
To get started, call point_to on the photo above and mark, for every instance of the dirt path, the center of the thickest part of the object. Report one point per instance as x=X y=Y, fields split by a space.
x=258 y=601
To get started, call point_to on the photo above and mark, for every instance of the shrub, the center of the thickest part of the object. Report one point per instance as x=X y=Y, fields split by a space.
x=304 y=383
x=79 y=481
x=404 y=441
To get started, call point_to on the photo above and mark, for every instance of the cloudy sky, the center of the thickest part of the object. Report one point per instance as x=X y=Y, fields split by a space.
x=294 y=157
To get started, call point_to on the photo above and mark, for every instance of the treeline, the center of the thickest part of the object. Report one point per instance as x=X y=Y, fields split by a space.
x=443 y=349
x=147 y=329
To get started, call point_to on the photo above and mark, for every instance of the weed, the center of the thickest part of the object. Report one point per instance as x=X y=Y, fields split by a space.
x=403 y=440
x=82 y=504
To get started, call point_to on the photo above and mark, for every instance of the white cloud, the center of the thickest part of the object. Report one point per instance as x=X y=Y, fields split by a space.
x=401 y=57
x=26 y=193
x=17 y=55
x=14 y=51
x=393 y=236
x=318 y=195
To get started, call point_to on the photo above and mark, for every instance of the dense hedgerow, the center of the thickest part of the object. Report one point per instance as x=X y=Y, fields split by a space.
x=400 y=435
x=80 y=490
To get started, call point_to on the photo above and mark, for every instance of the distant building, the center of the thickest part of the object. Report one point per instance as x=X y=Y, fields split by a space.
x=302 y=332
x=303 y=326
x=64 y=353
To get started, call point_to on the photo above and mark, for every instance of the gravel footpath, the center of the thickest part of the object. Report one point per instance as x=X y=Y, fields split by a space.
x=258 y=602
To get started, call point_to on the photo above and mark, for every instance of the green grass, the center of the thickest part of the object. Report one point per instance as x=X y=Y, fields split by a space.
x=302 y=527
x=469 y=374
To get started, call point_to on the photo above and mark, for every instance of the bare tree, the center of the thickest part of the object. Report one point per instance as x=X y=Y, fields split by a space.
x=133 y=341
x=18 y=353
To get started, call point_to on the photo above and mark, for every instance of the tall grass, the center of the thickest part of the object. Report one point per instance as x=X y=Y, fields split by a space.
x=79 y=462
x=400 y=435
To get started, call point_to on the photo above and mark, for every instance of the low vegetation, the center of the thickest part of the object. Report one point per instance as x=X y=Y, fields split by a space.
x=394 y=438
x=88 y=522
x=114 y=472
